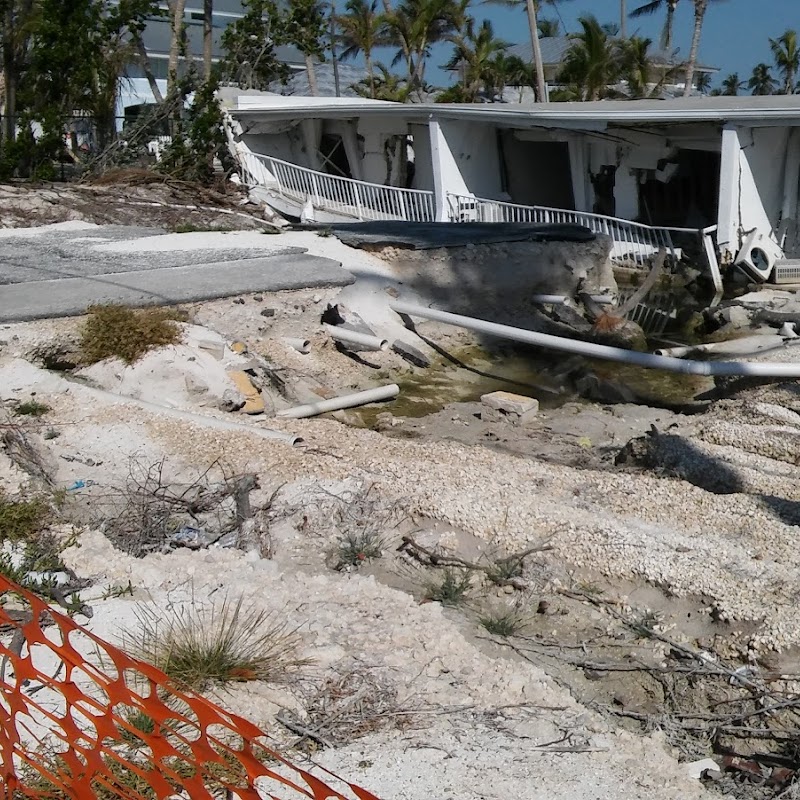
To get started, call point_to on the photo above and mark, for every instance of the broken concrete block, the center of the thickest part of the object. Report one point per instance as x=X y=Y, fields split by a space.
x=516 y=408
x=254 y=403
x=410 y=354
x=238 y=347
x=232 y=400
x=213 y=346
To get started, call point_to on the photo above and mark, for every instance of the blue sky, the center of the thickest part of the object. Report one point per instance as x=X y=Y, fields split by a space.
x=735 y=35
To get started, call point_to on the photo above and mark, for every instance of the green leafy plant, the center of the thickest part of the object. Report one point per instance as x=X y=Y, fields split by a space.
x=31 y=408
x=451 y=588
x=112 y=331
x=223 y=644
x=21 y=520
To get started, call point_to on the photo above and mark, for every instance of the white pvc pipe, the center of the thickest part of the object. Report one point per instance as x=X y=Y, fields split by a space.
x=356 y=340
x=747 y=345
x=346 y=401
x=301 y=345
x=591 y=350
x=562 y=299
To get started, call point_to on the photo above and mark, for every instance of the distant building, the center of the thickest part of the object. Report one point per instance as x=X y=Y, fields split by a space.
x=666 y=66
x=135 y=89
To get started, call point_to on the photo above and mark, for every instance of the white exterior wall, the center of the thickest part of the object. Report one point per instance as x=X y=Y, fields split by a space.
x=375 y=132
x=751 y=184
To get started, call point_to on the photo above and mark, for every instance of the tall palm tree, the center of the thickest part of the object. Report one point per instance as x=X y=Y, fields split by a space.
x=700 y=8
x=413 y=26
x=473 y=55
x=761 y=81
x=786 y=53
x=653 y=7
x=731 y=85
x=592 y=63
x=362 y=29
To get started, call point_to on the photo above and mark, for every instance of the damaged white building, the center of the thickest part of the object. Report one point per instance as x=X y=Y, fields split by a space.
x=715 y=174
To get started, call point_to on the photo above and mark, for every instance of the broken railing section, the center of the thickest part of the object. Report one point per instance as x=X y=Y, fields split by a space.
x=336 y=194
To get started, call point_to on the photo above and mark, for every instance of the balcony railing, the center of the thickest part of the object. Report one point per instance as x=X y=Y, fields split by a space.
x=345 y=196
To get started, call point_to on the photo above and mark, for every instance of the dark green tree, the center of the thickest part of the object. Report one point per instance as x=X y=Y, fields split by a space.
x=250 y=60
x=306 y=29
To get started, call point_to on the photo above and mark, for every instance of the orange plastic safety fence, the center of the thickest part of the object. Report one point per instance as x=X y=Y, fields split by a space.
x=79 y=718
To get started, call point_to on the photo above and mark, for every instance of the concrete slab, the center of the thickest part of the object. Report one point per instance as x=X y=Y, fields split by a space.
x=67 y=297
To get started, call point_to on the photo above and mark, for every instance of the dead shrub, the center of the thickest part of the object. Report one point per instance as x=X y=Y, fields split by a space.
x=220 y=644
x=346 y=707
x=113 y=331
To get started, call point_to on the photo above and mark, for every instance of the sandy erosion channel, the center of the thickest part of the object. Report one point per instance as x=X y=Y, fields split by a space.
x=457 y=713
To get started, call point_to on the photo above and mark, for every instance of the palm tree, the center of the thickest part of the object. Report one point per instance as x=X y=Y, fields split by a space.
x=731 y=85
x=384 y=86
x=700 y=8
x=548 y=28
x=592 y=63
x=761 y=82
x=473 y=57
x=415 y=25
x=653 y=7
x=362 y=29
x=786 y=53
x=703 y=82
x=636 y=66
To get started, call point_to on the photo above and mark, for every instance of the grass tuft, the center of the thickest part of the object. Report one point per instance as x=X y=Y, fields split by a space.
x=126 y=333
x=358 y=548
x=31 y=408
x=451 y=588
x=221 y=645
x=508 y=622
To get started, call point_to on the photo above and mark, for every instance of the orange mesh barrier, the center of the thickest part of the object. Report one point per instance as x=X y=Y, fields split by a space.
x=81 y=719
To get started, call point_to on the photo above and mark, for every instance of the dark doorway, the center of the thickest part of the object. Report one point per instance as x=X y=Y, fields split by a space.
x=537 y=173
x=333 y=156
x=683 y=192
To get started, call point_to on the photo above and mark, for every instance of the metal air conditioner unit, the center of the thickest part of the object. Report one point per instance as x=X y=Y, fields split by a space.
x=758 y=255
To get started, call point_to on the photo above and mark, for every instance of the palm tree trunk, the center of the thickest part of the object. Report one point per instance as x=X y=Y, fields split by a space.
x=699 y=14
x=9 y=78
x=208 y=39
x=370 y=73
x=312 y=76
x=623 y=14
x=177 y=10
x=144 y=60
x=669 y=24
x=541 y=90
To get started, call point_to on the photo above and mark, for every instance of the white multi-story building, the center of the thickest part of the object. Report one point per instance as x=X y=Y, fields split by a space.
x=135 y=89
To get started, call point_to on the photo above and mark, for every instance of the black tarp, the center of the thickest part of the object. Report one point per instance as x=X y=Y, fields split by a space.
x=429 y=235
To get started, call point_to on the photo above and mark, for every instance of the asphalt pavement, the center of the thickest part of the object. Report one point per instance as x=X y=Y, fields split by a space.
x=60 y=273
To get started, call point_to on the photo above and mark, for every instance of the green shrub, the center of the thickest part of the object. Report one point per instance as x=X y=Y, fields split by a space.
x=113 y=331
x=21 y=520
x=31 y=408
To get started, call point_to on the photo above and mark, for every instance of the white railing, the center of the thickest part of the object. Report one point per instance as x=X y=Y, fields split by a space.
x=344 y=196
x=634 y=243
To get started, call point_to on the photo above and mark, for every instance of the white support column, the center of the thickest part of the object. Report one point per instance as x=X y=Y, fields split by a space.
x=446 y=174
x=312 y=131
x=729 y=189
